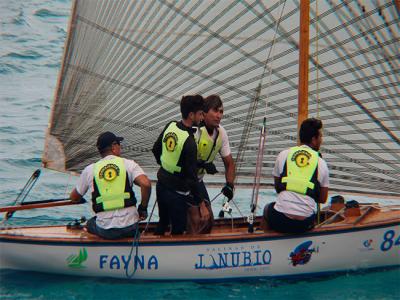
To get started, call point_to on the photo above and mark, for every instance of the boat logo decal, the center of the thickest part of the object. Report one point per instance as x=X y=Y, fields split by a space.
x=249 y=257
x=170 y=140
x=301 y=158
x=368 y=244
x=109 y=172
x=75 y=261
x=302 y=254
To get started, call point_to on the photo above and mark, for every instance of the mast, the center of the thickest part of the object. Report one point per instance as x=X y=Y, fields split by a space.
x=304 y=42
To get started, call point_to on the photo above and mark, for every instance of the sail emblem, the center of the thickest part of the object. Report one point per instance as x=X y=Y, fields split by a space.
x=76 y=261
x=301 y=158
x=170 y=140
x=109 y=172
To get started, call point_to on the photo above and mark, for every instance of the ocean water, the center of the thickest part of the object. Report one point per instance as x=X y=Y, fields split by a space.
x=32 y=34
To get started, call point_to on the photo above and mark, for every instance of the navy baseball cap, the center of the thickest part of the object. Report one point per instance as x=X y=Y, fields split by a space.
x=106 y=139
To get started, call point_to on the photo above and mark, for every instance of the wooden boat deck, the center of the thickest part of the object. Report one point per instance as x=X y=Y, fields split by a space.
x=369 y=215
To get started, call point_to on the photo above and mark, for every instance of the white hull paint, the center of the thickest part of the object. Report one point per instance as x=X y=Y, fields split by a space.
x=261 y=256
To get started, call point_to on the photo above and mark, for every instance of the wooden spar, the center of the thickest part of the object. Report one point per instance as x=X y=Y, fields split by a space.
x=304 y=41
x=39 y=204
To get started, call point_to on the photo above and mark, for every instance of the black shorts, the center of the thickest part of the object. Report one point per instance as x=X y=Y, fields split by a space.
x=281 y=223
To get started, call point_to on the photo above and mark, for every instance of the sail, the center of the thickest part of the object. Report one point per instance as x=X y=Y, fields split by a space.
x=128 y=63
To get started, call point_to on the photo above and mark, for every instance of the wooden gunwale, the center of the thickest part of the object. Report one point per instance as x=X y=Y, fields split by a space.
x=219 y=234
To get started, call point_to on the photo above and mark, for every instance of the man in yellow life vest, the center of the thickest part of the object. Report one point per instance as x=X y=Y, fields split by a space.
x=212 y=139
x=176 y=152
x=113 y=200
x=301 y=181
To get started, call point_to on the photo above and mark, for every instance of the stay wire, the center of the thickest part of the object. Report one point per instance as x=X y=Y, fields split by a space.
x=260 y=155
x=251 y=112
x=317 y=85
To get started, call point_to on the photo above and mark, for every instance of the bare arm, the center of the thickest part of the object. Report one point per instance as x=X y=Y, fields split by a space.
x=145 y=188
x=75 y=196
x=323 y=196
x=229 y=169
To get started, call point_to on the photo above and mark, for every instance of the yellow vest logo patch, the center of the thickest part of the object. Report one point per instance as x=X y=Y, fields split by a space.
x=301 y=158
x=170 y=140
x=109 y=172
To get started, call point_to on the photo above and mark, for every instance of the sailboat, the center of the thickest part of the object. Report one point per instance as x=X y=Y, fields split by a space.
x=127 y=63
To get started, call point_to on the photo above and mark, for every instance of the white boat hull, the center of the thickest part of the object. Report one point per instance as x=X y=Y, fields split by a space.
x=259 y=256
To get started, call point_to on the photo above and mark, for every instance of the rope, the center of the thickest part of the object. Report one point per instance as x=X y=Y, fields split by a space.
x=135 y=245
x=151 y=215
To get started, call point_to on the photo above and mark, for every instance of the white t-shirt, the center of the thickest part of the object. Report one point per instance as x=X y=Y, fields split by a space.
x=294 y=203
x=225 y=148
x=118 y=218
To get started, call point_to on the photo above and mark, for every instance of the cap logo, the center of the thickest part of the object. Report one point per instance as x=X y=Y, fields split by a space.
x=109 y=172
x=301 y=158
x=170 y=140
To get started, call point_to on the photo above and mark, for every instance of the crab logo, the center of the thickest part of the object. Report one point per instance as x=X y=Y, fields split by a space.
x=302 y=254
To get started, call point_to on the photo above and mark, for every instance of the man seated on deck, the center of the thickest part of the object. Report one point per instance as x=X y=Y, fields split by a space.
x=301 y=181
x=212 y=139
x=113 y=200
x=176 y=152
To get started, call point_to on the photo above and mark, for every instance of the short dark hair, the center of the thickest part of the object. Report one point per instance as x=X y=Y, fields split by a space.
x=212 y=102
x=309 y=129
x=191 y=103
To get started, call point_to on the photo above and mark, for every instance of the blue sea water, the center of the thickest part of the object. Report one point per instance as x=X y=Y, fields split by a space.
x=32 y=34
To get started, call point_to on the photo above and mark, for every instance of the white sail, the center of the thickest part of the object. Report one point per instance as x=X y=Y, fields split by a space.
x=128 y=63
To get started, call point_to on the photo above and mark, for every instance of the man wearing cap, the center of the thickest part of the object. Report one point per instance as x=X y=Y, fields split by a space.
x=113 y=200
x=176 y=152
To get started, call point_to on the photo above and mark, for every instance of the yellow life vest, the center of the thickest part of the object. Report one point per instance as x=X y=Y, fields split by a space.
x=111 y=186
x=172 y=144
x=207 y=147
x=301 y=172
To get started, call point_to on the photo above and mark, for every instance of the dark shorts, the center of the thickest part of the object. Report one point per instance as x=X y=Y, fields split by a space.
x=112 y=233
x=281 y=223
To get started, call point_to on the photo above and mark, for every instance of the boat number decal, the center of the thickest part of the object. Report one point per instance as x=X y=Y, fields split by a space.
x=302 y=254
x=390 y=240
x=75 y=261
